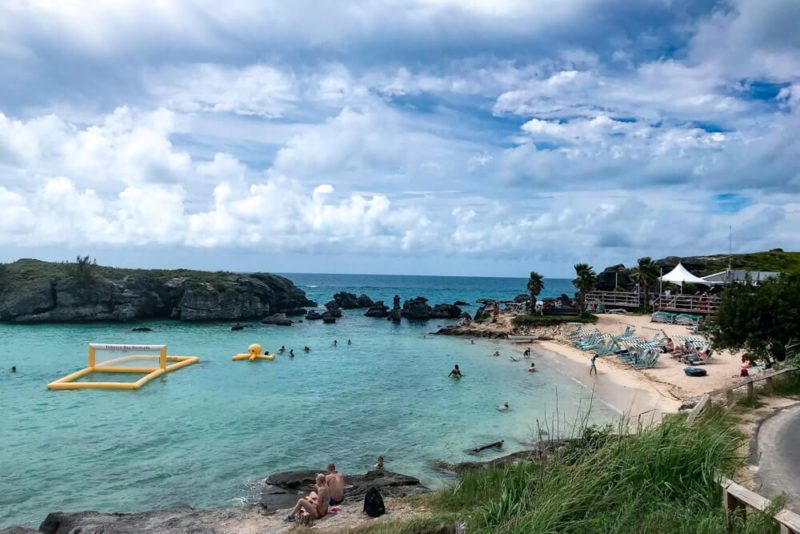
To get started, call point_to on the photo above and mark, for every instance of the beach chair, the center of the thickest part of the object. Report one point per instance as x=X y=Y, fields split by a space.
x=662 y=317
x=698 y=359
x=608 y=348
x=627 y=334
x=686 y=319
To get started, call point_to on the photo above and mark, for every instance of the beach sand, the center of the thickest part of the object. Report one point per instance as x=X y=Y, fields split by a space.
x=642 y=395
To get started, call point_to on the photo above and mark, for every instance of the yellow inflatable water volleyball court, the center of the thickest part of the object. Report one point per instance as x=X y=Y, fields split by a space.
x=253 y=353
x=150 y=360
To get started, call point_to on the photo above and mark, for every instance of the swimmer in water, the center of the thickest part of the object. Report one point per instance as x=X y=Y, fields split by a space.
x=335 y=342
x=503 y=407
x=349 y=342
x=281 y=350
x=306 y=349
x=456 y=372
x=291 y=353
x=527 y=353
x=13 y=368
x=532 y=368
x=496 y=354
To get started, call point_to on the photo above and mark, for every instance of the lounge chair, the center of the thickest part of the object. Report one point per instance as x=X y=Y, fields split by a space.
x=662 y=317
x=698 y=359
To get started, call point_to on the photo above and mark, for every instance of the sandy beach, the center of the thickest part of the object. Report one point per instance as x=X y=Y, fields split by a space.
x=641 y=395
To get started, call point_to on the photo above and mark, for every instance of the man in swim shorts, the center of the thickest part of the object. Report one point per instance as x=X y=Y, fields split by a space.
x=335 y=482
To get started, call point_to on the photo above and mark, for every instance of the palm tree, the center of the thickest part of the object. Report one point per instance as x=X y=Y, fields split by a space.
x=646 y=275
x=535 y=286
x=585 y=280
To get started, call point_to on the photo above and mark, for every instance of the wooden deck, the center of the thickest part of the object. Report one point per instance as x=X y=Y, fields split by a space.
x=614 y=299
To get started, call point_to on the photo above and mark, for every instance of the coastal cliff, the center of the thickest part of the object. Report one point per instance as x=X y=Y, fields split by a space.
x=33 y=291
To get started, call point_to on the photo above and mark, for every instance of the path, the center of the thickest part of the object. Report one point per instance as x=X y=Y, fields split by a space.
x=779 y=456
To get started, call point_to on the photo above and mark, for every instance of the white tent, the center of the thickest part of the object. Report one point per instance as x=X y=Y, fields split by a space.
x=679 y=275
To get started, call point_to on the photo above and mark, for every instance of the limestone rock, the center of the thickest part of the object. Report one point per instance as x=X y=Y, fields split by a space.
x=378 y=309
x=33 y=291
x=278 y=319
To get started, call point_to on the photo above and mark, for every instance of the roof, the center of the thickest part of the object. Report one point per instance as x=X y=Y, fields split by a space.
x=740 y=275
x=679 y=275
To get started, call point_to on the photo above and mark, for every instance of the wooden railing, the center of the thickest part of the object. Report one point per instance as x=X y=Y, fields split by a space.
x=750 y=383
x=736 y=499
x=687 y=304
x=614 y=299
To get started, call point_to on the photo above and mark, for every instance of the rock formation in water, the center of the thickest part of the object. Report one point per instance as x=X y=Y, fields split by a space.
x=418 y=309
x=33 y=291
x=395 y=314
x=278 y=319
x=378 y=309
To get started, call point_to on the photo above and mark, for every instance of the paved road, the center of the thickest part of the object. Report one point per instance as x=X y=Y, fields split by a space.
x=779 y=456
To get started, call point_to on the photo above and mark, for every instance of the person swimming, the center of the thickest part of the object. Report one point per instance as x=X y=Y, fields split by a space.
x=527 y=353
x=13 y=368
x=306 y=349
x=455 y=373
x=335 y=342
x=379 y=464
x=291 y=353
x=496 y=354
x=503 y=407
x=281 y=350
x=532 y=368
x=349 y=342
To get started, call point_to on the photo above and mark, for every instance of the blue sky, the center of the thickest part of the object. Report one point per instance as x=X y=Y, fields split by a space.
x=463 y=137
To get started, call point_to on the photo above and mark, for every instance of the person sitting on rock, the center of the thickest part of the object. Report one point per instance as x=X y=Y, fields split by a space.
x=335 y=482
x=455 y=373
x=316 y=504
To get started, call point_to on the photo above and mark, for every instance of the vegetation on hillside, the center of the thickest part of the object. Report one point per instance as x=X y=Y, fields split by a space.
x=762 y=319
x=662 y=479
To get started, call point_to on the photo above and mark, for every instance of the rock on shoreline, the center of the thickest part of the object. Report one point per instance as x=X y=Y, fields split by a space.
x=33 y=291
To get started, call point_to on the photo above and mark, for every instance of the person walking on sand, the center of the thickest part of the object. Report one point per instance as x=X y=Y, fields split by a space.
x=335 y=482
x=593 y=365
x=315 y=504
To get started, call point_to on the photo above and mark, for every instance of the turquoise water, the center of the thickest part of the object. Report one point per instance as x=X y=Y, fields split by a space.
x=203 y=435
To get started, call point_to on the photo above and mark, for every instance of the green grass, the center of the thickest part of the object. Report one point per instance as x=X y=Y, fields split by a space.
x=661 y=479
x=550 y=320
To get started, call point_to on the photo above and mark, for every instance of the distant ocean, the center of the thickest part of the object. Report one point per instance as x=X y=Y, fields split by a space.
x=204 y=435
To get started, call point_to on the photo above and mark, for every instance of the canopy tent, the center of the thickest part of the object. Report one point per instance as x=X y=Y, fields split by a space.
x=679 y=275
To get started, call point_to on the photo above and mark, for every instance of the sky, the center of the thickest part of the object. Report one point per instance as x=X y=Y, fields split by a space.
x=454 y=137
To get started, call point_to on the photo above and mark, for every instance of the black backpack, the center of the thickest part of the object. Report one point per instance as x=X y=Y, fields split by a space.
x=373 y=503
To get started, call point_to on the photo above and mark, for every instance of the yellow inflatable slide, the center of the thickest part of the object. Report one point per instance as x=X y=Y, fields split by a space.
x=253 y=353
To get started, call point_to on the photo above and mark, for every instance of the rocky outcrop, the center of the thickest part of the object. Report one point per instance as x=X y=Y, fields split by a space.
x=349 y=301
x=461 y=303
x=173 y=520
x=328 y=318
x=446 y=311
x=615 y=276
x=278 y=319
x=33 y=291
x=332 y=308
x=419 y=309
x=471 y=331
x=281 y=490
x=378 y=309
x=313 y=315
x=396 y=312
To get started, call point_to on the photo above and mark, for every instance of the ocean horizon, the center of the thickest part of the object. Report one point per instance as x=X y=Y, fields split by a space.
x=206 y=435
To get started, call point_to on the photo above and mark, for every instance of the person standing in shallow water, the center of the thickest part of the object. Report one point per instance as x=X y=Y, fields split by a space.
x=593 y=366
x=455 y=373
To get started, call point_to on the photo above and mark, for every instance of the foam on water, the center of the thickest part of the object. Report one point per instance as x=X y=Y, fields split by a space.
x=202 y=436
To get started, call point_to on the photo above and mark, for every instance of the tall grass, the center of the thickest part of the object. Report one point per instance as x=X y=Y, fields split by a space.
x=659 y=479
